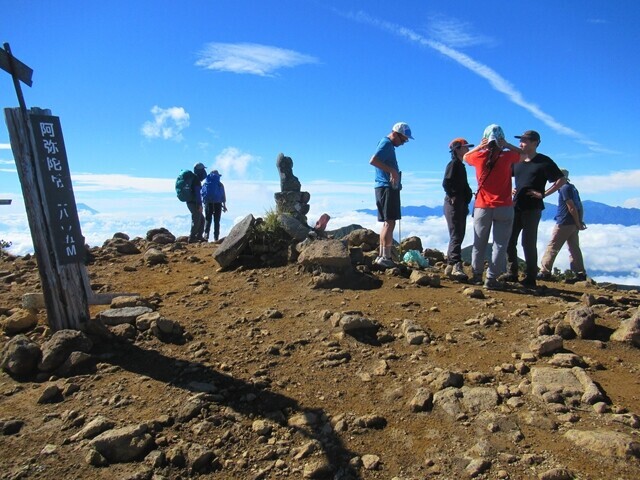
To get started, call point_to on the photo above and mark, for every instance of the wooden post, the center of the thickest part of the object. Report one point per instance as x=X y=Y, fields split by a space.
x=63 y=284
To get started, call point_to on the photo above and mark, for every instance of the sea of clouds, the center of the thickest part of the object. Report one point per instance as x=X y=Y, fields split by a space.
x=610 y=251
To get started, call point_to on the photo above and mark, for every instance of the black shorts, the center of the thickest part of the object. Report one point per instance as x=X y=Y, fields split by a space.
x=388 y=203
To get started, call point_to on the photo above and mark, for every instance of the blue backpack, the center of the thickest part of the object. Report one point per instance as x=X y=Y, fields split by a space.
x=212 y=189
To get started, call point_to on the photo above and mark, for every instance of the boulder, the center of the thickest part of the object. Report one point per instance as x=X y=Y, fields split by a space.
x=157 y=231
x=582 y=321
x=546 y=344
x=124 y=444
x=411 y=243
x=326 y=254
x=20 y=356
x=121 y=245
x=362 y=237
x=21 y=321
x=605 y=443
x=153 y=256
x=116 y=316
x=57 y=349
x=235 y=242
x=294 y=227
x=628 y=331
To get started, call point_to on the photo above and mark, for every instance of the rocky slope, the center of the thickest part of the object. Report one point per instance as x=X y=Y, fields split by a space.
x=253 y=373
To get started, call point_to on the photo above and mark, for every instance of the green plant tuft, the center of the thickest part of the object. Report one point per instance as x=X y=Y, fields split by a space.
x=270 y=224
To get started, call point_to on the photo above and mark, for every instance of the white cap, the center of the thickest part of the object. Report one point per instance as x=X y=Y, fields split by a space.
x=403 y=129
x=493 y=132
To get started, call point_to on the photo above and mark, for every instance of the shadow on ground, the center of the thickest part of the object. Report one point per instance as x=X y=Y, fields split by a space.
x=267 y=404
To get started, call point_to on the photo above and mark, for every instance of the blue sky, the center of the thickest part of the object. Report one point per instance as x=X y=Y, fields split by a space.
x=146 y=88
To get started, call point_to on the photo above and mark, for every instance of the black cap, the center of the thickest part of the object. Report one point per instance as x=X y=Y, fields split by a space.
x=531 y=135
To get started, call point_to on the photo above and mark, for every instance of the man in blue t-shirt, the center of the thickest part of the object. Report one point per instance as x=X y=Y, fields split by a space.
x=387 y=188
x=569 y=222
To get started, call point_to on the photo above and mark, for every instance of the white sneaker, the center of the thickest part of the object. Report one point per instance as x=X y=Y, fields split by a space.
x=385 y=263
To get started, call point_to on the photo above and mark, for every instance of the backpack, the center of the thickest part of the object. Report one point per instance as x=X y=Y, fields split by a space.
x=212 y=189
x=184 y=186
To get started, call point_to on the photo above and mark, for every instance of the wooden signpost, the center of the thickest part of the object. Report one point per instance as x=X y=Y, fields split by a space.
x=41 y=161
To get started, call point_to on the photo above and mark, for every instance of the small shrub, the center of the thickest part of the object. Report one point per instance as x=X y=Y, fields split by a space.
x=3 y=247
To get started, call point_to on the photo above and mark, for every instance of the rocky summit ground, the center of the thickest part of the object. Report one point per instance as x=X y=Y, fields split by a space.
x=251 y=373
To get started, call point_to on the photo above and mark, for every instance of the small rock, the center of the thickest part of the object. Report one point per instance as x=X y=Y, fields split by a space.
x=546 y=344
x=556 y=474
x=477 y=466
x=51 y=394
x=370 y=462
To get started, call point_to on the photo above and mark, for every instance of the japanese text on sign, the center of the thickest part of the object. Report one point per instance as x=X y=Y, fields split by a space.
x=53 y=171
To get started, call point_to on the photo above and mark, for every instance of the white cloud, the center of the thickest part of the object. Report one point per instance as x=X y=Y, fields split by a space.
x=90 y=182
x=233 y=160
x=612 y=182
x=6 y=162
x=496 y=81
x=608 y=249
x=455 y=33
x=250 y=58
x=168 y=123
x=5 y=146
x=632 y=203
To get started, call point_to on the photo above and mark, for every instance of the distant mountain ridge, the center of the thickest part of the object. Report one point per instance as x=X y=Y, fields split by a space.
x=594 y=213
x=83 y=207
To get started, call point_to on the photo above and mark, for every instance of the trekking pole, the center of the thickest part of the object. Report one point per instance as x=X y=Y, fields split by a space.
x=400 y=238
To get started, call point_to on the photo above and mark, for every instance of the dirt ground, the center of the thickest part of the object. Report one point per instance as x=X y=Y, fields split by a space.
x=267 y=366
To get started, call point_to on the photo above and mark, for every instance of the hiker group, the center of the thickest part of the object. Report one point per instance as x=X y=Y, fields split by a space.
x=205 y=201
x=507 y=212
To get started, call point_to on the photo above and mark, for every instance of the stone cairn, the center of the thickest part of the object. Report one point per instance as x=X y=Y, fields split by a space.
x=290 y=200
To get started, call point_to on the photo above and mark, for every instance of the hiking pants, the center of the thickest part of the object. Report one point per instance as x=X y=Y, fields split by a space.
x=456 y=215
x=197 y=222
x=525 y=221
x=560 y=235
x=500 y=220
x=212 y=210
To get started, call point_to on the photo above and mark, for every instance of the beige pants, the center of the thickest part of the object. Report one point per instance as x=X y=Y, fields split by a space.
x=560 y=235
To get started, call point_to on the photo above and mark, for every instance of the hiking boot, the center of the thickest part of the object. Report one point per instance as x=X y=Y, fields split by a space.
x=493 y=284
x=448 y=270
x=581 y=277
x=476 y=279
x=458 y=273
x=543 y=276
x=508 y=277
x=528 y=282
x=385 y=262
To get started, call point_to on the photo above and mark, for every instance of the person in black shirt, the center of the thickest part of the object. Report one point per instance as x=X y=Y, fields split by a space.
x=531 y=175
x=456 y=207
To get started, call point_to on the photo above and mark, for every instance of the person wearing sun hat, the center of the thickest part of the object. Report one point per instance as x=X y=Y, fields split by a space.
x=214 y=199
x=387 y=188
x=458 y=194
x=531 y=176
x=493 y=208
